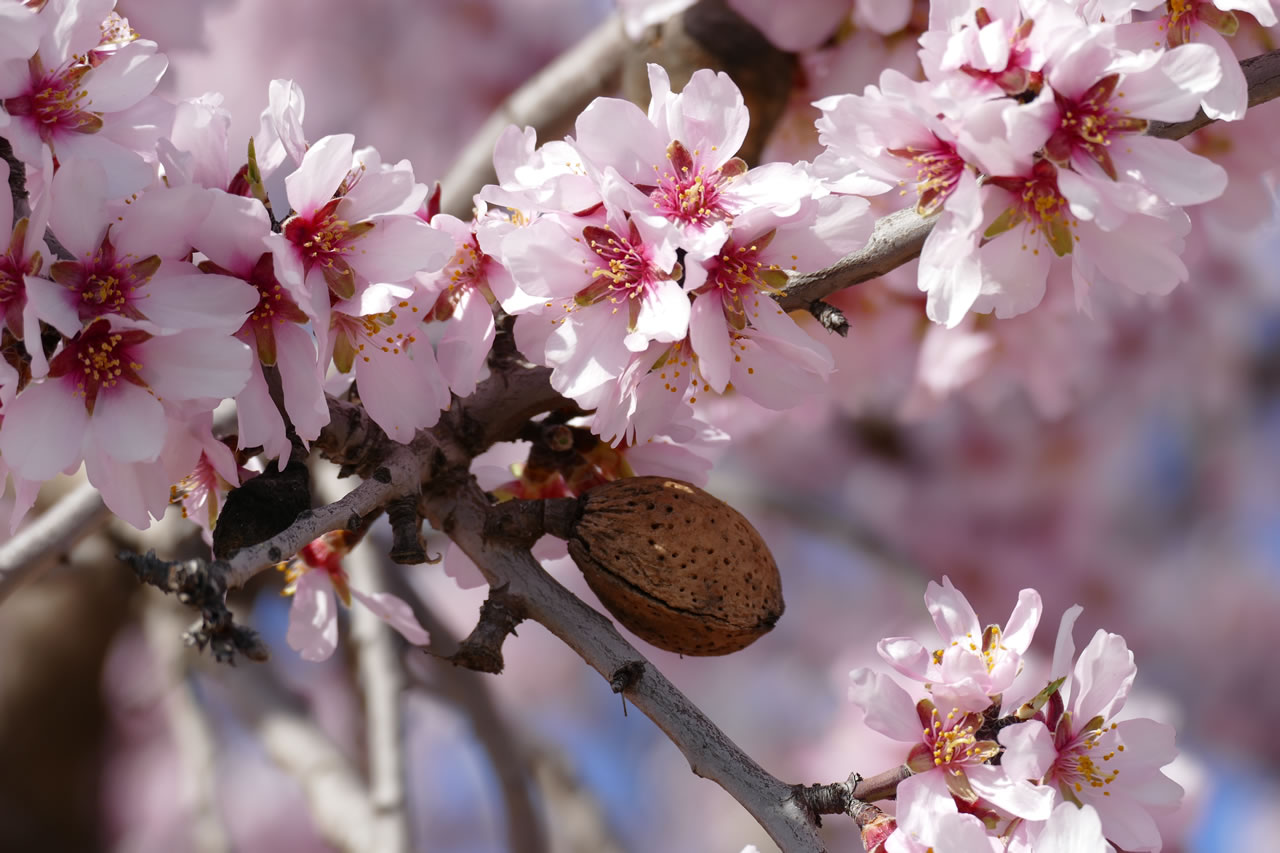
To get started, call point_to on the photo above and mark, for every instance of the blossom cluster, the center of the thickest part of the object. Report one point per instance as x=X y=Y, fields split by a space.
x=999 y=764
x=639 y=256
x=1027 y=139
x=167 y=286
x=643 y=256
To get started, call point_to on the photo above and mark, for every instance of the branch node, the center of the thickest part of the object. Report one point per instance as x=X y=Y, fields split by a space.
x=626 y=676
x=200 y=585
x=407 y=545
x=522 y=523
x=499 y=615
x=831 y=317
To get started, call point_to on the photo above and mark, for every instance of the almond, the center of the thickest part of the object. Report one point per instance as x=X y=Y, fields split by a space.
x=677 y=567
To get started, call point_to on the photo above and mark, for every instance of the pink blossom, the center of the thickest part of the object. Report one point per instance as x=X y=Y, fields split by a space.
x=313 y=576
x=232 y=237
x=974 y=664
x=101 y=403
x=25 y=296
x=81 y=94
x=949 y=751
x=352 y=226
x=129 y=265
x=676 y=165
x=380 y=335
x=608 y=284
x=1205 y=23
x=1104 y=99
x=466 y=287
x=1111 y=765
x=928 y=820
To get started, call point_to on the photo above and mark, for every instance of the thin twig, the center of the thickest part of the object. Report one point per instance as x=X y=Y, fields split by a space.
x=49 y=536
x=548 y=103
x=899 y=237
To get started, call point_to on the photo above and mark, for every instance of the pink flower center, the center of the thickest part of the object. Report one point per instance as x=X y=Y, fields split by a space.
x=99 y=359
x=106 y=282
x=325 y=240
x=952 y=740
x=625 y=274
x=938 y=170
x=56 y=102
x=1039 y=203
x=1085 y=761
x=688 y=192
x=739 y=275
x=1088 y=124
x=466 y=271
x=363 y=336
x=1183 y=15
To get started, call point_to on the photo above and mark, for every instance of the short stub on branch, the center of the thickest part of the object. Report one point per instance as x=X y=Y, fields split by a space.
x=196 y=586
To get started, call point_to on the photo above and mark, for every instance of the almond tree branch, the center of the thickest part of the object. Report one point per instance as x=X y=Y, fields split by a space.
x=711 y=754
x=549 y=102
x=49 y=536
x=899 y=237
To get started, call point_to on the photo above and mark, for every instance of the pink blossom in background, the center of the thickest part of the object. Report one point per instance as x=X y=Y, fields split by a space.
x=314 y=577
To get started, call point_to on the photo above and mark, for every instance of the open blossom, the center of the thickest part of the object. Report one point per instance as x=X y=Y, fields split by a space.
x=130 y=264
x=1091 y=757
x=102 y=403
x=947 y=753
x=82 y=93
x=462 y=294
x=313 y=576
x=974 y=663
x=379 y=336
x=353 y=224
x=608 y=284
x=232 y=238
x=676 y=164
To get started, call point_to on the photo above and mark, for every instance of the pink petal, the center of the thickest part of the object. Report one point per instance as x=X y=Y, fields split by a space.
x=128 y=76
x=313 y=618
x=888 y=708
x=954 y=617
x=43 y=430
x=302 y=380
x=466 y=342
x=195 y=364
x=396 y=613
x=79 y=213
x=323 y=167
x=128 y=423
x=709 y=336
x=398 y=247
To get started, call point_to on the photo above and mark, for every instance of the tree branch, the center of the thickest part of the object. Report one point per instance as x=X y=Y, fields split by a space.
x=899 y=237
x=49 y=536
x=549 y=103
x=711 y=754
